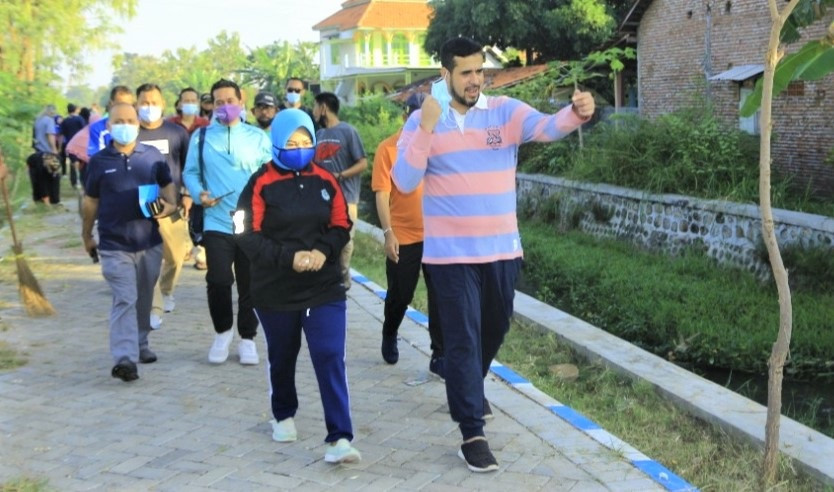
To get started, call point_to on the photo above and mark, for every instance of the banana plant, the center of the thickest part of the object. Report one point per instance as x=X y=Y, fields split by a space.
x=812 y=62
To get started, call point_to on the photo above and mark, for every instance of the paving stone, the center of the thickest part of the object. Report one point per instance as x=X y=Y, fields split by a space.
x=187 y=425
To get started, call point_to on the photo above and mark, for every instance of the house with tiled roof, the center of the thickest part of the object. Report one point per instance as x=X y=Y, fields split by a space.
x=374 y=46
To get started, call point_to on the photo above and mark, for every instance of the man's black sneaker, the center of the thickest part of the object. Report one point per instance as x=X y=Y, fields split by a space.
x=437 y=367
x=487 y=411
x=389 y=349
x=477 y=456
x=146 y=356
x=125 y=370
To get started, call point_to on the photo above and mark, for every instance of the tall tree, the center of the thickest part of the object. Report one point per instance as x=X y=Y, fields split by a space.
x=35 y=39
x=267 y=67
x=545 y=29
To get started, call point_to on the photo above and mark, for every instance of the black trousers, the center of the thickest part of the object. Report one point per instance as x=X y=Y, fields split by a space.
x=475 y=302
x=44 y=183
x=227 y=263
x=402 y=281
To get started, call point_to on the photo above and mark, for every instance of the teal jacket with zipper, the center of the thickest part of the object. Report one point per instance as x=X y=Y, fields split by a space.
x=231 y=155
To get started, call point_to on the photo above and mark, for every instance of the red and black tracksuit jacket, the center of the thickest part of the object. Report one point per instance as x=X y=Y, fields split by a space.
x=281 y=212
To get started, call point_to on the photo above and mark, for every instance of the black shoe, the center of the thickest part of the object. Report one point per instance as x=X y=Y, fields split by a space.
x=125 y=370
x=389 y=349
x=146 y=356
x=477 y=456
x=487 y=411
x=437 y=366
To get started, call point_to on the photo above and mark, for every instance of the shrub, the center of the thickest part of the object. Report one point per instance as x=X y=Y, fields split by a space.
x=687 y=152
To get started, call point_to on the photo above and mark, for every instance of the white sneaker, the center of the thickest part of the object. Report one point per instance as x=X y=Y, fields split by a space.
x=284 y=431
x=342 y=452
x=168 y=303
x=156 y=322
x=248 y=352
x=220 y=348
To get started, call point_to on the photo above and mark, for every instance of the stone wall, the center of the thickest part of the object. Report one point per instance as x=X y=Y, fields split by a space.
x=729 y=232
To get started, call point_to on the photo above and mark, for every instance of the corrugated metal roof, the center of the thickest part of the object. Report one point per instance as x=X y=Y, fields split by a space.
x=739 y=73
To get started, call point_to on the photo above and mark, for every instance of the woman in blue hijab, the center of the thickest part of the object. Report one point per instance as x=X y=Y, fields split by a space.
x=292 y=223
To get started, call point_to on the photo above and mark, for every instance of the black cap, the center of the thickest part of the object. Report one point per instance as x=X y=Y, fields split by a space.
x=415 y=101
x=206 y=98
x=265 y=99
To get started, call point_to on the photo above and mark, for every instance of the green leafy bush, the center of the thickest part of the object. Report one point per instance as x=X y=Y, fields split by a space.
x=688 y=152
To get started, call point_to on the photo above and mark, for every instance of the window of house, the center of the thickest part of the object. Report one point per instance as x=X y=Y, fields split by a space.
x=335 y=54
x=400 y=49
x=751 y=123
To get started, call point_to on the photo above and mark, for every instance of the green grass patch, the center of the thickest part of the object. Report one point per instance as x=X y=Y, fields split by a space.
x=701 y=454
x=685 y=309
x=25 y=484
x=10 y=358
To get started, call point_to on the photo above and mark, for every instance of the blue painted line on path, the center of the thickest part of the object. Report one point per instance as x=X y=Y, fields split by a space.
x=654 y=470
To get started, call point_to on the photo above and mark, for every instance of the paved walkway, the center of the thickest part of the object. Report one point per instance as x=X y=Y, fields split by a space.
x=188 y=425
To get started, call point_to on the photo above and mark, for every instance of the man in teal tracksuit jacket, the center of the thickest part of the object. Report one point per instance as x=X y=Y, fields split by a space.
x=232 y=151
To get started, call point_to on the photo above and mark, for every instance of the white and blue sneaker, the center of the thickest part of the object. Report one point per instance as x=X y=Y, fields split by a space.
x=284 y=431
x=342 y=452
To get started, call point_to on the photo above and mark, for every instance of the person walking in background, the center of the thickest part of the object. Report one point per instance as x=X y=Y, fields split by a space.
x=99 y=135
x=129 y=246
x=215 y=175
x=44 y=164
x=463 y=146
x=292 y=222
x=340 y=151
x=172 y=141
x=294 y=91
x=71 y=125
x=190 y=119
x=206 y=105
x=401 y=219
x=264 y=110
x=189 y=100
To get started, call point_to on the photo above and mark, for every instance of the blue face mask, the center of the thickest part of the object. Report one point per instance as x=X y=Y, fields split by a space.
x=440 y=91
x=293 y=97
x=124 y=134
x=293 y=159
x=190 y=109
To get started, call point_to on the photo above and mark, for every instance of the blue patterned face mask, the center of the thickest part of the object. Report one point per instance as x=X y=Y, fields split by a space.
x=293 y=159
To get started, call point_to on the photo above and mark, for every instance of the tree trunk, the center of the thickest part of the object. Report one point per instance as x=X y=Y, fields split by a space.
x=708 y=52
x=779 y=354
x=581 y=143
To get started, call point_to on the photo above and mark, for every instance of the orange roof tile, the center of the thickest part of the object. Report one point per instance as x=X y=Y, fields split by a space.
x=380 y=14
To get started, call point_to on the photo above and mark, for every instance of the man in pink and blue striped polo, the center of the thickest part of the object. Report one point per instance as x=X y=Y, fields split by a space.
x=464 y=145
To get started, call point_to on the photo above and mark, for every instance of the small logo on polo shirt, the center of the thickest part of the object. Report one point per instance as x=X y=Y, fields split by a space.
x=108 y=171
x=325 y=195
x=494 y=137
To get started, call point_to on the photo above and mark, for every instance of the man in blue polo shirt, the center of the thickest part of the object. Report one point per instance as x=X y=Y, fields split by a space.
x=130 y=246
x=99 y=133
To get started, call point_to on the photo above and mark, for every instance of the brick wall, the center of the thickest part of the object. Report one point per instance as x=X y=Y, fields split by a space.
x=671 y=69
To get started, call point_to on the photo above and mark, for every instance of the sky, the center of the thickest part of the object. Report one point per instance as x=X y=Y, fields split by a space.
x=170 y=24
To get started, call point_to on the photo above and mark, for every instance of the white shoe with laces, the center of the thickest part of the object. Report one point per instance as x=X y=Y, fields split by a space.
x=168 y=303
x=284 y=431
x=342 y=452
x=219 y=351
x=156 y=322
x=248 y=352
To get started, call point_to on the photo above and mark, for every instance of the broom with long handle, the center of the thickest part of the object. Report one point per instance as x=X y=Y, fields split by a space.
x=34 y=302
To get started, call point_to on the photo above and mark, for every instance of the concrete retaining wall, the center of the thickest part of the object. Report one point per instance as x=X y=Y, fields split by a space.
x=729 y=232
